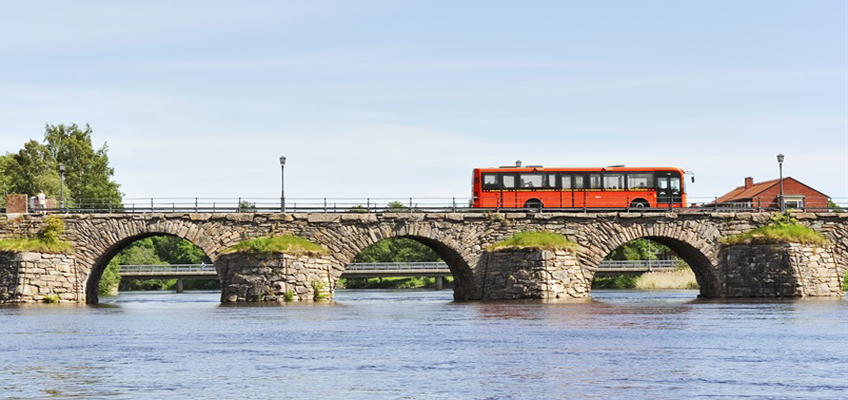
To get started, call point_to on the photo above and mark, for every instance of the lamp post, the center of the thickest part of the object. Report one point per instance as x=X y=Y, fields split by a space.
x=62 y=186
x=282 y=183
x=780 y=164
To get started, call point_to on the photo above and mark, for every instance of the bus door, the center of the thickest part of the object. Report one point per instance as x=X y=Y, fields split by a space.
x=668 y=189
x=578 y=192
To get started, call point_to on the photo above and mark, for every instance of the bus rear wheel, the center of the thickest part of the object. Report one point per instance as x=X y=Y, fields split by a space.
x=640 y=203
x=533 y=203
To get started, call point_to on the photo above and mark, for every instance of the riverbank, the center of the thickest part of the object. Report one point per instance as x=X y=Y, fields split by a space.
x=393 y=283
x=682 y=278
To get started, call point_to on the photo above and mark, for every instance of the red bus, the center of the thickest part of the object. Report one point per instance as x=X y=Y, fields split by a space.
x=608 y=187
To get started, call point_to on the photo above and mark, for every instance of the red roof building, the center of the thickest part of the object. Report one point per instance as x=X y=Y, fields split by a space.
x=766 y=195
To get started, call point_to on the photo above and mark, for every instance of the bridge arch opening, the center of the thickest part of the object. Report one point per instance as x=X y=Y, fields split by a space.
x=151 y=261
x=657 y=262
x=418 y=261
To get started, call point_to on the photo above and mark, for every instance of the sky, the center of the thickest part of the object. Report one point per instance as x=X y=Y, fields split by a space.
x=399 y=99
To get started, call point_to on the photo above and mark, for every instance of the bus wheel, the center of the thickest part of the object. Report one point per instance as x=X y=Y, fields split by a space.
x=533 y=203
x=639 y=203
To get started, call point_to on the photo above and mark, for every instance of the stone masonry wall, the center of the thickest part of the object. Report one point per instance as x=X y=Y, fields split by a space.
x=267 y=277
x=787 y=270
x=29 y=277
x=459 y=238
x=534 y=274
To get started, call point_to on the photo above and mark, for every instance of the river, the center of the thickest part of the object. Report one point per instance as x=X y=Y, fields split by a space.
x=385 y=344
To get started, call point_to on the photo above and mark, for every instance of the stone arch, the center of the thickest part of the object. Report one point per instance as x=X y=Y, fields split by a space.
x=700 y=251
x=104 y=242
x=345 y=244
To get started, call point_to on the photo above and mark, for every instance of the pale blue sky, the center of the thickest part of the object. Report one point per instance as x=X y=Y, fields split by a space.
x=405 y=98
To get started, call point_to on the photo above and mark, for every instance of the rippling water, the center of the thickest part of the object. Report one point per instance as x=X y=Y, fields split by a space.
x=421 y=345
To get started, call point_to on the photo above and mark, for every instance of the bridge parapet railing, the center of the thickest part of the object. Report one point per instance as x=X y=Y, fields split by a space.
x=378 y=205
x=179 y=268
x=635 y=265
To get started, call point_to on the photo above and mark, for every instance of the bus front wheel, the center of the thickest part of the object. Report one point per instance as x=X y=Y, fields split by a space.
x=639 y=203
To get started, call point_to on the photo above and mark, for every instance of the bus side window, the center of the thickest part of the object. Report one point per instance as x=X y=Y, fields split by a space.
x=551 y=182
x=508 y=181
x=490 y=181
x=531 y=180
x=565 y=180
x=594 y=181
x=578 y=182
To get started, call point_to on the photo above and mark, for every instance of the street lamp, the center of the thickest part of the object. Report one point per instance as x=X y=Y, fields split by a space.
x=782 y=202
x=62 y=186
x=283 y=184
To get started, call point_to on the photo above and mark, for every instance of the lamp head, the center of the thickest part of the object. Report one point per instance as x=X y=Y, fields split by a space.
x=780 y=158
x=282 y=160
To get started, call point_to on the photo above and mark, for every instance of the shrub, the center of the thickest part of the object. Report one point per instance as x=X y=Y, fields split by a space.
x=51 y=298
x=53 y=228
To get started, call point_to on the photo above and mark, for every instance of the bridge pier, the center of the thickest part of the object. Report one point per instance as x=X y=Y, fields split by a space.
x=179 y=285
x=785 y=270
x=440 y=282
x=249 y=277
x=533 y=274
x=30 y=277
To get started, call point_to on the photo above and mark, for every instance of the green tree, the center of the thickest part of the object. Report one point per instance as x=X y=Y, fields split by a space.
x=88 y=177
x=397 y=250
x=175 y=250
x=639 y=249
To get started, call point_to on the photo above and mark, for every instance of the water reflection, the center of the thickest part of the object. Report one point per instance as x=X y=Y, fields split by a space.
x=422 y=345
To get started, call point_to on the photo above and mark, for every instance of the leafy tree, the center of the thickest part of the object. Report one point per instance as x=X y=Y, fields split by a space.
x=639 y=249
x=175 y=250
x=833 y=207
x=111 y=278
x=88 y=177
x=397 y=250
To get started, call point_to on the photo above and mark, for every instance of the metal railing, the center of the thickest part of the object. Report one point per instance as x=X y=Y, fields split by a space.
x=354 y=269
x=384 y=205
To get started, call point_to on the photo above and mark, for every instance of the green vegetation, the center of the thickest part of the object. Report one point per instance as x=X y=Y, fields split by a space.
x=276 y=244
x=393 y=283
x=682 y=278
x=51 y=298
x=534 y=240
x=615 y=282
x=155 y=250
x=87 y=179
x=288 y=296
x=833 y=207
x=638 y=249
x=35 y=245
x=782 y=229
x=47 y=240
x=397 y=250
x=318 y=292
x=845 y=283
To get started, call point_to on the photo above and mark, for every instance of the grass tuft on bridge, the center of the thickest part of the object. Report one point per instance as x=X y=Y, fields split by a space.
x=535 y=241
x=277 y=244
x=783 y=229
x=35 y=245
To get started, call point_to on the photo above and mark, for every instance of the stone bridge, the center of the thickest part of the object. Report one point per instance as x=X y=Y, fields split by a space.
x=461 y=239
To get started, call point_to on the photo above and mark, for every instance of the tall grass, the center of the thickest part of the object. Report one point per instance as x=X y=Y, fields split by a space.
x=534 y=240
x=36 y=244
x=677 y=279
x=782 y=229
x=276 y=244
